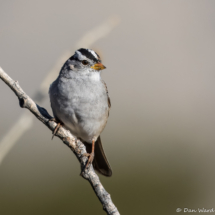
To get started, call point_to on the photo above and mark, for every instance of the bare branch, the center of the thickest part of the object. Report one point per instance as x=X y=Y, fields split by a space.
x=77 y=147
x=19 y=128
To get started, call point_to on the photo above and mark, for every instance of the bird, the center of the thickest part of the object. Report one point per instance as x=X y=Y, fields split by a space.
x=80 y=102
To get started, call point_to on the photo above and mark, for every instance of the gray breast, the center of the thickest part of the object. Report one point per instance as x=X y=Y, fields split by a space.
x=81 y=104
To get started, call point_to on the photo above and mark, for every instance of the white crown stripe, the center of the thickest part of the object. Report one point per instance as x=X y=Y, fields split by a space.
x=93 y=53
x=80 y=56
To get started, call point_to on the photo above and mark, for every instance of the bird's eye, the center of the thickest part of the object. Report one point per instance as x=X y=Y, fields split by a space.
x=84 y=62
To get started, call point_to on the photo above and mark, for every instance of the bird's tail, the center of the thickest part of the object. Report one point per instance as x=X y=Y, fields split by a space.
x=100 y=162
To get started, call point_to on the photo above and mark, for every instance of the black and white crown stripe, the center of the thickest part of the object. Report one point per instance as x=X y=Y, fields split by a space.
x=82 y=54
x=93 y=53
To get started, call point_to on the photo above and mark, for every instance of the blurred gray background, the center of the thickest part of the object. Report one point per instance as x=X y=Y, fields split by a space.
x=160 y=137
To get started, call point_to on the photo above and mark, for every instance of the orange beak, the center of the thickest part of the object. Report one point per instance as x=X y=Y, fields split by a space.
x=98 y=66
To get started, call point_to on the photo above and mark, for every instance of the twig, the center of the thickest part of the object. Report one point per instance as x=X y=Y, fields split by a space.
x=77 y=147
x=19 y=128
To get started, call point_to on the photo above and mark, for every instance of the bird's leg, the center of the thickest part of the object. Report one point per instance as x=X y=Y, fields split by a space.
x=57 y=127
x=91 y=155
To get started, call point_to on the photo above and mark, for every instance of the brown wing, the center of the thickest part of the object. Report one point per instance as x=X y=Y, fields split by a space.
x=109 y=103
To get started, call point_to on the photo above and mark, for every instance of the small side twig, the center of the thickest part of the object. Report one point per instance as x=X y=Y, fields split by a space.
x=77 y=147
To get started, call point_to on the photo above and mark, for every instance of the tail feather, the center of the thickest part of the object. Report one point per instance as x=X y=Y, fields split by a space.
x=100 y=162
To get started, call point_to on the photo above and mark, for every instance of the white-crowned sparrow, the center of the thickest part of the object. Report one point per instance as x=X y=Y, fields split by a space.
x=80 y=101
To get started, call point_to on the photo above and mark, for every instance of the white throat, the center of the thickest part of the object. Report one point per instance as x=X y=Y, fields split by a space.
x=95 y=76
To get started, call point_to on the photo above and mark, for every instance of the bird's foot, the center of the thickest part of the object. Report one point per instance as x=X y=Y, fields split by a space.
x=57 y=127
x=90 y=159
x=53 y=120
x=86 y=154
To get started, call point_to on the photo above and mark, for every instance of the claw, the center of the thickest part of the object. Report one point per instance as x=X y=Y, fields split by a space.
x=90 y=160
x=53 y=120
x=56 y=129
x=91 y=157
x=86 y=154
